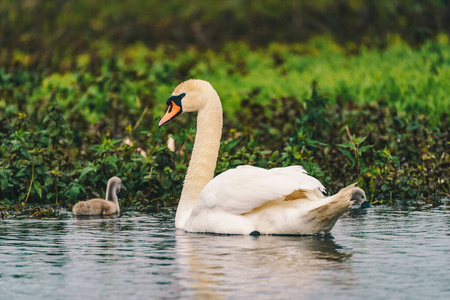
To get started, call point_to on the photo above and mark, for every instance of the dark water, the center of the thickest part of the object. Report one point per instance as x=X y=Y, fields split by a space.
x=384 y=253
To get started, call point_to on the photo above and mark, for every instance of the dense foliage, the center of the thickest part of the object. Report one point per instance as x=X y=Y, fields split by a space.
x=378 y=117
x=83 y=85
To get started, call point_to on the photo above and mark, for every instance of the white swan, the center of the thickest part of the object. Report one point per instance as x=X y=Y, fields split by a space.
x=96 y=207
x=245 y=200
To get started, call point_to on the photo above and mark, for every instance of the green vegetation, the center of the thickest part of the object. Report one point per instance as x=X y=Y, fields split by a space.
x=59 y=27
x=72 y=117
x=411 y=80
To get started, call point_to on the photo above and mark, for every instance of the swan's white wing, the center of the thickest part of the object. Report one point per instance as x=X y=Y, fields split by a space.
x=245 y=188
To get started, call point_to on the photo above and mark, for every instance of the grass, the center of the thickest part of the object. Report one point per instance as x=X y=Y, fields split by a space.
x=411 y=79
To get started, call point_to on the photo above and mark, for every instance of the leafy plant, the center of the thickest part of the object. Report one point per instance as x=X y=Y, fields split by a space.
x=378 y=117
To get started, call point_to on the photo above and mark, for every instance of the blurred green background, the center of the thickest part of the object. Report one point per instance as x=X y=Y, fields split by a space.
x=60 y=25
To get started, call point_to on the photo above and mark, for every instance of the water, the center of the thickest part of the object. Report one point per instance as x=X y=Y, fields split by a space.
x=382 y=253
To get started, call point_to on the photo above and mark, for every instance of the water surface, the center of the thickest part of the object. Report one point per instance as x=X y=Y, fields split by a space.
x=381 y=253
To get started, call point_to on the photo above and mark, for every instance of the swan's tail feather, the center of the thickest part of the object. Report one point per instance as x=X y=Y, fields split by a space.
x=325 y=216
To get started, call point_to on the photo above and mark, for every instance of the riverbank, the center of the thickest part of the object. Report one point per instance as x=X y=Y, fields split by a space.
x=376 y=117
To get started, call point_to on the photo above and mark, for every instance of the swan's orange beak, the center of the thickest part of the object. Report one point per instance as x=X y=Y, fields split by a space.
x=175 y=108
x=173 y=111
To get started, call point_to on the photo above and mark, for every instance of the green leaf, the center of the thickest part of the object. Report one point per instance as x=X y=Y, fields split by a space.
x=115 y=141
x=37 y=187
x=111 y=160
x=315 y=143
x=347 y=145
x=25 y=153
x=54 y=130
x=231 y=144
x=236 y=162
x=360 y=140
x=350 y=157
x=385 y=187
x=265 y=152
x=86 y=171
x=364 y=148
x=21 y=173
x=74 y=192
x=48 y=181
x=97 y=148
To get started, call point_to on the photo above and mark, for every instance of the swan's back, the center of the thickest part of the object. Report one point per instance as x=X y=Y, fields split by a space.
x=95 y=207
x=245 y=188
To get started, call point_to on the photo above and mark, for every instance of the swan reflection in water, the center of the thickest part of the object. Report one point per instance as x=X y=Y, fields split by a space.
x=97 y=217
x=218 y=266
x=88 y=227
x=93 y=223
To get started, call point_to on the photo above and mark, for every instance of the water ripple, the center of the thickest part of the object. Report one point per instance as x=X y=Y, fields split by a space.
x=378 y=253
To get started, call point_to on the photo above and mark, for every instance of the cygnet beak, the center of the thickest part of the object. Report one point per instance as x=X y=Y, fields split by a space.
x=366 y=204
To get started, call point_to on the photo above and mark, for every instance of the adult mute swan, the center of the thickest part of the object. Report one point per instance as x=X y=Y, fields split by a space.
x=108 y=206
x=245 y=200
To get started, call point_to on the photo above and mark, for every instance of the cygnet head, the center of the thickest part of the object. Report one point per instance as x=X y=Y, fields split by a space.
x=359 y=197
x=115 y=183
x=190 y=95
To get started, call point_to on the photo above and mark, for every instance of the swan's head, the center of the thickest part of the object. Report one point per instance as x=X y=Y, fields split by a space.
x=359 y=197
x=190 y=95
x=115 y=183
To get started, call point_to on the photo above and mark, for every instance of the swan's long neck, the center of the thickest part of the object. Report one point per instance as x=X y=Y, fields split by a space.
x=111 y=194
x=204 y=157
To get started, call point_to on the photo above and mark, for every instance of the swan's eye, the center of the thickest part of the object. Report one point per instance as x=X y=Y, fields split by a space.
x=175 y=99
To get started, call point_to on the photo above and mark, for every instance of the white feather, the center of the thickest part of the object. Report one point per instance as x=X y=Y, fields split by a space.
x=245 y=188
